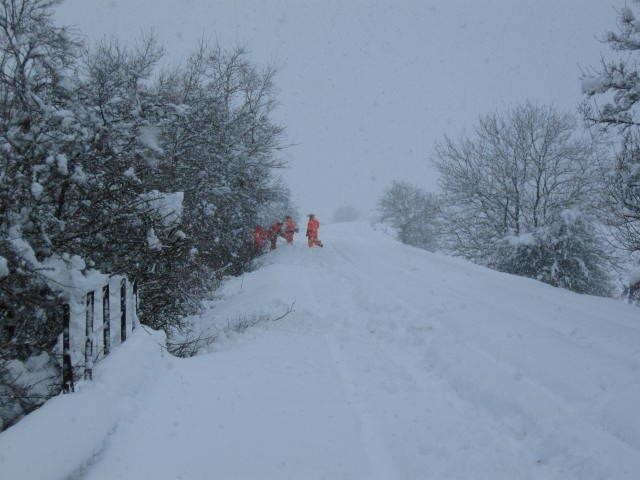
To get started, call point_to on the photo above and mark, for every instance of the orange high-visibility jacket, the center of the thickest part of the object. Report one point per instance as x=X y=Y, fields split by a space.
x=275 y=230
x=312 y=227
x=289 y=225
x=259 y=236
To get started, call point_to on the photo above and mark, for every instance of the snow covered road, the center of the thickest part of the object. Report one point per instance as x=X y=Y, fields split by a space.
x=396 y=364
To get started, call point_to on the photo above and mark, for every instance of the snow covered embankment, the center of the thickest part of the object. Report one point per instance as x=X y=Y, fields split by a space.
x=61 y=439
x=396 y=364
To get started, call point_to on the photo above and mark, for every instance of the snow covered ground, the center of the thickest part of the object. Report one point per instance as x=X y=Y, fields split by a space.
x=395 y=364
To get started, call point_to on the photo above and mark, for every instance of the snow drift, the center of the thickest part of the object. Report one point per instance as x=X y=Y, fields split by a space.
x=396 y=364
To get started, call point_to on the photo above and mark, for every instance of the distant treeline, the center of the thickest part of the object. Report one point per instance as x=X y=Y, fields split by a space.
x=534 y=192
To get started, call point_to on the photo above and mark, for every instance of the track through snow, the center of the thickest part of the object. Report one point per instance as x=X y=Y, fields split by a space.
x=396 y=364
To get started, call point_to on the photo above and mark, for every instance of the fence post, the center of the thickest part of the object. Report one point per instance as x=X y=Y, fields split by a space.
x=67 y=369
x=106 y=320
x=123 y=310
x=135 y=318
x=88 y=344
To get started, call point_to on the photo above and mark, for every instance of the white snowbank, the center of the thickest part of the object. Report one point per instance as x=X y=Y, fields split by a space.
x=395 y=362
x=63 y=437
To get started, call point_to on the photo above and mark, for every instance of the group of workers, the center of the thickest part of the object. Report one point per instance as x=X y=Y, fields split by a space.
x=286 y=229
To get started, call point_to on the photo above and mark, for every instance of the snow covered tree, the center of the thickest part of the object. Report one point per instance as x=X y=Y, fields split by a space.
x=513 y=179
x=616 y=82
x=412 y=212
x=611 y=106
x=220 y=150
x=34 y=94
x=107 y=165
x=36 y=59
x=621 y=194
x=279 y=204
x=143 y=218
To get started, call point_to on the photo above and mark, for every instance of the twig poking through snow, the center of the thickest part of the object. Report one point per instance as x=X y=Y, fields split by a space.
x=191 y=346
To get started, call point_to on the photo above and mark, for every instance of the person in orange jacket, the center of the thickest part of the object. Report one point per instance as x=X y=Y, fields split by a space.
x=289 y=229
x=259 y=237
x=312 y=231
x=275 y=231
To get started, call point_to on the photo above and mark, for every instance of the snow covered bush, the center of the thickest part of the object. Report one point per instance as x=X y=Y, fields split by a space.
x=413 y=214
x=566 y=253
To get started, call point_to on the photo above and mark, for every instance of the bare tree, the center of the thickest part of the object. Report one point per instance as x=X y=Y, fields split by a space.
x=519 y=197
x=412 y=212
x=514 y=175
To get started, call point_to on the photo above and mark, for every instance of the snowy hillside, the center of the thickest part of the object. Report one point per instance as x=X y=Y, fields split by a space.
x=395 y=364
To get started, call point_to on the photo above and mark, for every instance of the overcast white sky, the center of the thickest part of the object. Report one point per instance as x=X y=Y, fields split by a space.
x=367 y=87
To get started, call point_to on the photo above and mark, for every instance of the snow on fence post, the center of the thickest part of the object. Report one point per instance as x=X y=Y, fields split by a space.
x=67 y=369
x=88 y=345
x=134 y=317
x=73 y=342
x=106 y=321
x=123 y=310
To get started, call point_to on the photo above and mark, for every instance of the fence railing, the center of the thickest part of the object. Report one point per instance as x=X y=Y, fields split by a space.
x=92 y=350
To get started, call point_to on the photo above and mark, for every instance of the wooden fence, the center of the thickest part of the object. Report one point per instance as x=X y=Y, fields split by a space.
x=94 y=350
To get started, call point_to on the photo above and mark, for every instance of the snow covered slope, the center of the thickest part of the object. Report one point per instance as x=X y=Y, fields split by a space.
x=396 y=364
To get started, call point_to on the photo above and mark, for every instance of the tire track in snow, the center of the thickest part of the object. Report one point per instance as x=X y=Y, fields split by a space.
x=444 y=403
x=379 y=457
x=377 y=452
x=477 y=397
x=514 y=369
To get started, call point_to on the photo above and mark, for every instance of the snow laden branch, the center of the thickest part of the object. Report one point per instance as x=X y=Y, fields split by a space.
x=616 y=82
x=612 y=93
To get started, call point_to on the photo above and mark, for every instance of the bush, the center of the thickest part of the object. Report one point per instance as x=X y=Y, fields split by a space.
x=567 y=254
